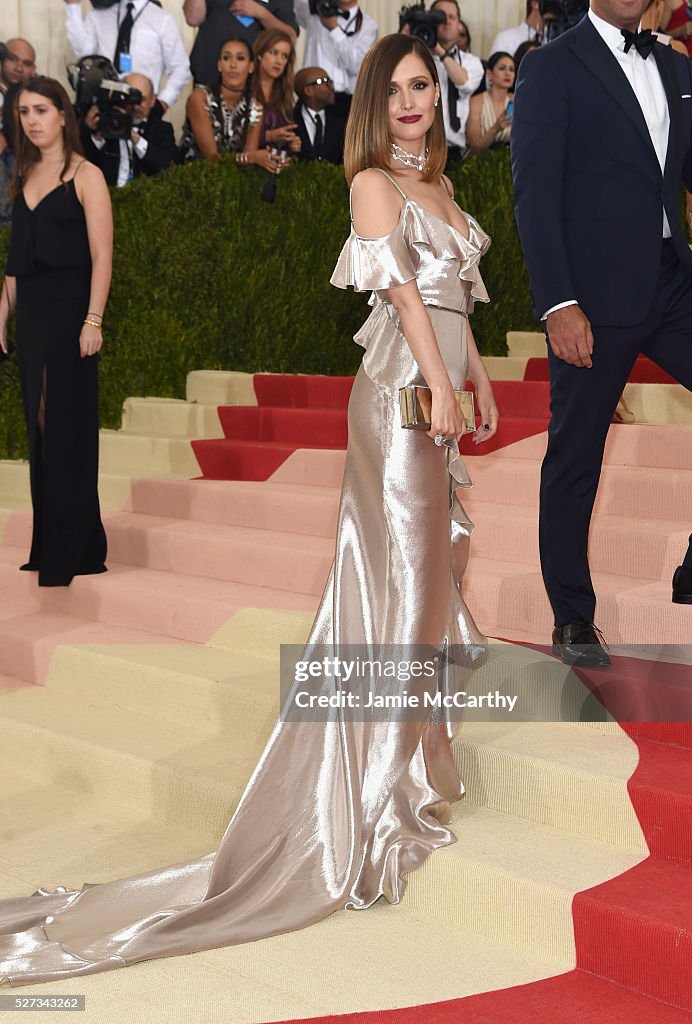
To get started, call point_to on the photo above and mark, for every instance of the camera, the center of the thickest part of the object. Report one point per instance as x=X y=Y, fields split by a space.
x=561 y=15
x=327 y=8
x=422 y=24
x=102 y=5
x=95 y=82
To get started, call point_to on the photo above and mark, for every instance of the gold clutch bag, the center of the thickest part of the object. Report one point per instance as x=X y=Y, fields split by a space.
x=415 y=402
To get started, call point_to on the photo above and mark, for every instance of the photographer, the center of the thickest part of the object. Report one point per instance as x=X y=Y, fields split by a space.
x=460 y=75
x=220 y=20
x=148 y=148
x=510 y=39
x=138 y=36
x=339 y=35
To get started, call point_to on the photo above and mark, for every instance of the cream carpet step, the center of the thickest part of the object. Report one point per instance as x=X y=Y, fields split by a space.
x=168 y=604
x=114 y=488
x=545 y=773
x=55 y=834
x=424 y=961
x=513 y=879
x=266 y=506
x=505 y=367
x=171 y=417
x=659 y=403
x=526 y=344
x=162 y=771
x=618 y=545
x=220 y=387
x=143 y=455
x=510 y=600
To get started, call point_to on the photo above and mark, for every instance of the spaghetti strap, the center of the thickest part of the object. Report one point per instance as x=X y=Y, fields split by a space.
x=396 y=186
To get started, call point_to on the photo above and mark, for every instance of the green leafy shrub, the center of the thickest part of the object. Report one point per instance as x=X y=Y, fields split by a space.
x=207 y=276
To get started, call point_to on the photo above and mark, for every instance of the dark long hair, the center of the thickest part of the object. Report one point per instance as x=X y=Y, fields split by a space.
x=282 y=97
x=247 y=91
x=28 y=155
x=368 y=138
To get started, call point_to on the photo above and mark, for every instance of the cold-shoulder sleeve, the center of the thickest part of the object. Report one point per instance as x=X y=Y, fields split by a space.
x=374 y=264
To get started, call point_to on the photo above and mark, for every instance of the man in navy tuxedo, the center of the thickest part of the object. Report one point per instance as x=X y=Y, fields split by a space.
x=601 y=145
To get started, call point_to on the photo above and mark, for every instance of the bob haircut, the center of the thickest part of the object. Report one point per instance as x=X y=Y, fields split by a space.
x=368 y=139
x=28 y=155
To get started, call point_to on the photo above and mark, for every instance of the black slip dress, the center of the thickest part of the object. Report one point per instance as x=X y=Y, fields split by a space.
x=49 y=257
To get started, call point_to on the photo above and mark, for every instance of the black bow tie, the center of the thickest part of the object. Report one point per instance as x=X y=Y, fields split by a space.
x=342 y=14
x=643 y=41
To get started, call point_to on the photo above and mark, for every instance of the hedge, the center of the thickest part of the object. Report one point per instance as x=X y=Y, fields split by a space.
x=207 y=276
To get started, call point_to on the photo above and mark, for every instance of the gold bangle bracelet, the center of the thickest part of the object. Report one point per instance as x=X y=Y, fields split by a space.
x=93 y=323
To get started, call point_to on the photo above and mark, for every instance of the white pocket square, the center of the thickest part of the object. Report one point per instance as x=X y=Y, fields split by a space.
x=686 y=96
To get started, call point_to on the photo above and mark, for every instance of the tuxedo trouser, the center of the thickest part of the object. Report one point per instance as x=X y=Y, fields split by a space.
x=582 y=403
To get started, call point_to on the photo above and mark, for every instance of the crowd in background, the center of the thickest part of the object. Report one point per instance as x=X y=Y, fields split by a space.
x=247 y=96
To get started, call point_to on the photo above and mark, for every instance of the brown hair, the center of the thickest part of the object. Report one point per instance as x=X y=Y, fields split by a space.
x=368 y=139
x=28 y=155
x=282 y=95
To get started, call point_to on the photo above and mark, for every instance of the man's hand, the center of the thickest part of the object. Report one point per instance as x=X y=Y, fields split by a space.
x=91 y=120
x=329 y=23
x=72 y=1
x=570 y=337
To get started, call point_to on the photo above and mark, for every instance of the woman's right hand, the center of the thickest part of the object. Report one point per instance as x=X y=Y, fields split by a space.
x=502 y=122
x=264 y=158
x=446 y=417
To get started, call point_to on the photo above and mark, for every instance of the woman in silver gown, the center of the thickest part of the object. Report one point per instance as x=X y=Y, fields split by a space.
x=337 y=812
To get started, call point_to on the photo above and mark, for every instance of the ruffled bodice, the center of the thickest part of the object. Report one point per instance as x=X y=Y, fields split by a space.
x=422 y=246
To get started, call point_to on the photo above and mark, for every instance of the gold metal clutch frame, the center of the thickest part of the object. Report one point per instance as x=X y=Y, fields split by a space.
x=415 y=402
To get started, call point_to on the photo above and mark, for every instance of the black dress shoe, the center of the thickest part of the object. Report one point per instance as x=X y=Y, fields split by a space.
x=682 y=585
x=578 y=644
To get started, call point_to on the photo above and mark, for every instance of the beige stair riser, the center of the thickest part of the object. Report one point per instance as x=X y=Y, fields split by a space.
x=587 y=804
x=221 y=387
x=170 y=419
x=100 y=679
x=513 y=909
x=163 y=791
x=139 y=455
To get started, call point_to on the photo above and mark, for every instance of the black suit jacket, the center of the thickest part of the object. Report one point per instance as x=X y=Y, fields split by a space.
x=589 y=191
x=161 y=151
x=333 y=143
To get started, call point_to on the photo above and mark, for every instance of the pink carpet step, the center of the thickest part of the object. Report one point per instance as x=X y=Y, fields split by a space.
x=27 y=641
x=166 y=604
x=510 y=601
x=260 y=558
x=654 y=493
x=633 y=444
x=290 y=507
x=299 y=427
x=642 y=549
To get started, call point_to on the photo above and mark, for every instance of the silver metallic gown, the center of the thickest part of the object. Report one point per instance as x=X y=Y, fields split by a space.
x=337 y=812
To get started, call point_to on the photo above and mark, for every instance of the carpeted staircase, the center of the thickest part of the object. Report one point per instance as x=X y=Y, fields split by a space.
x=134 y=705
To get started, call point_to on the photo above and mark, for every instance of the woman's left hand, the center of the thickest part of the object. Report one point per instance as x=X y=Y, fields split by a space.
x=295 y=144
x=90 y=340
x=487 y=408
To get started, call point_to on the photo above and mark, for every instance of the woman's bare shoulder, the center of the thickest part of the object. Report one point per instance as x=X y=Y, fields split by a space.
x=375 y=203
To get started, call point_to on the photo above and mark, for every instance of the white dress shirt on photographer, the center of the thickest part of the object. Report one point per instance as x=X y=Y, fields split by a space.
x=340 y=50
x=473 y=66
x=156 y=45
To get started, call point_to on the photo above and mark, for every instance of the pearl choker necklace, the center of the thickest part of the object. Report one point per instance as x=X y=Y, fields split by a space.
x=409 y=159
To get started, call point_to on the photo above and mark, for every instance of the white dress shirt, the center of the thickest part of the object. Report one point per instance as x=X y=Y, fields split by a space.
x=510 y=39
x=339 y=51
x=474 y=68
x=126 y=147
x=310 y=119
x=645 y=79
x=156 y=45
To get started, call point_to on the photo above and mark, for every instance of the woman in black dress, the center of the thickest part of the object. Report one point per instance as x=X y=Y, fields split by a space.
x=58 y=274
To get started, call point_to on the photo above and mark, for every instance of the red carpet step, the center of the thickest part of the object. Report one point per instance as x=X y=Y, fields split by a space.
x=296 y=411
x=644 y=371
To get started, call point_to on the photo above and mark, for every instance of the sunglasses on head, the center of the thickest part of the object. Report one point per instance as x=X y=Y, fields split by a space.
x=325 y=80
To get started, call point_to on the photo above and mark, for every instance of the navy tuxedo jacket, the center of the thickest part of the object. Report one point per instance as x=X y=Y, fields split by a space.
x=333 y=145
x=589 y=191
